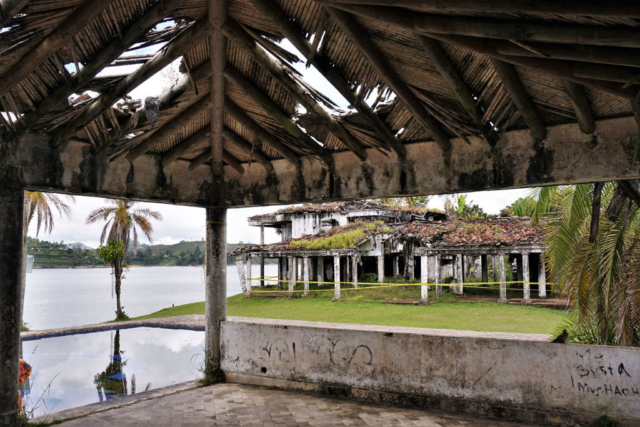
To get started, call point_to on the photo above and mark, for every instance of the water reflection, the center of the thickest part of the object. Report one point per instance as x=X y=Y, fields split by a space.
x=70 y=371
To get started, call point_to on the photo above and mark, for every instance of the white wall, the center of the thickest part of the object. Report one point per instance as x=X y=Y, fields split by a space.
x=522 y=374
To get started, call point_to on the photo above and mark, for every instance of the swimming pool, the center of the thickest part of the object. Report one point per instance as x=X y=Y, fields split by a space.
x=79 y=369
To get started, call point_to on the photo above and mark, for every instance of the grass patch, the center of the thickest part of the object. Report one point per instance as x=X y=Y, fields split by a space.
x=362 y=308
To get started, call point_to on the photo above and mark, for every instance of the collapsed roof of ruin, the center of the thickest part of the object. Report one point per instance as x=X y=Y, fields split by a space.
x=423 y=71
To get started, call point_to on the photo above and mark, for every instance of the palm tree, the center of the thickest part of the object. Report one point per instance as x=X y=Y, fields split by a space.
x=122 y=224
x=594 y=258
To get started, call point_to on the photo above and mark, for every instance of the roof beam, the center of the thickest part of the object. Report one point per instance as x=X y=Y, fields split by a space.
x=179 y=150
x=218 y=57
x=448 y=71
x=364 y=44
x=113 y=50
x=171 y=128
x=245 y=120
x=520 y=98
x=291 y=31
x=247 y=147
x=279 y=116
x=426 y=23
x=581 y=106
x=621 y=8
x=245 y=42
x=82 y=16
x=179 y=46
x=226 y=157
x=9 y=9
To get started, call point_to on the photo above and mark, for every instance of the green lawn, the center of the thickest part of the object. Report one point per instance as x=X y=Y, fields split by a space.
x=474 y=316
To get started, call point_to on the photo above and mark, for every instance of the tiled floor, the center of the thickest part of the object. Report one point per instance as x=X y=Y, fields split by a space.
x=242 y=405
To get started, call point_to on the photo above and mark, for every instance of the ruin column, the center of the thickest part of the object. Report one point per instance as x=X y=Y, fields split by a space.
x=460 y=274
x=262 y=258
x=354 y=271
x=242 y=276
x=437 y=277
x=336 y=277
x=484 y=267
x=495 y=268
x=503 y=279
x=306 y=276
x=249 y=273
x=424 y=278
x=396 y=267
x=320 y=270
x=11 y=267
x=347 y=269
x=216 y=288
x=526 y=286
x=293 y=274
x=380 y=268
x=542 y=278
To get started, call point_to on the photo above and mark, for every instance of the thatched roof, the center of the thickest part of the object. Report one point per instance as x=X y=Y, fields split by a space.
x=447 y=69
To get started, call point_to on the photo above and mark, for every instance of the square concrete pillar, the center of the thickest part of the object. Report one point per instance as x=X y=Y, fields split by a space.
x=292 y=273
x=347 y=269
x=460 y=274
x=354 y=271
x=306 y=276
x=496 y=268
x=11 y=274
x=216 y=286
x=437 y=277
x=249 y=272
x=542 y=278
x=320 y=270
x=242 y=274
x=262 y=258
x=424 y=278
x=380 y=268
x=336 y=277
x=526 y=286
x=503 y=279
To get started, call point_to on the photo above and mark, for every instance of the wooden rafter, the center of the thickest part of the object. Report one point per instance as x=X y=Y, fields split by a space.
x=279 y=116
x=523 y=31
x=181 y=44
x=243 y=118
x=245 y=42
x=364 y=44
x=91 y=69
x=520 y=98
x=179 y=150
x=247 y=147
x=171 y=128
x=448 y=71
x=9 y=9
x=226 y=157
x=61 y=36
x=620 y=8
x=218 y=57
x=581 y=106
x=290 y=30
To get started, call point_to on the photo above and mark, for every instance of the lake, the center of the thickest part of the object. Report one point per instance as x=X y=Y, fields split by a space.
x=58 y=298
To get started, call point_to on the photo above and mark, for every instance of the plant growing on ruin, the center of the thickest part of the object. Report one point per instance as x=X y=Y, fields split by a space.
x=122 y=224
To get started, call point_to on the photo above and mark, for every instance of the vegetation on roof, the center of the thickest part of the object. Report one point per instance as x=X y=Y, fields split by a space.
x=346 y=237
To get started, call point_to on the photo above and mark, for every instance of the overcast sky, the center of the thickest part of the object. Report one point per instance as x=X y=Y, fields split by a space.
x=186 y=223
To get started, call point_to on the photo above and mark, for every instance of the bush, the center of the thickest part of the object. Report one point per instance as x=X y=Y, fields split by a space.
x=369 y=278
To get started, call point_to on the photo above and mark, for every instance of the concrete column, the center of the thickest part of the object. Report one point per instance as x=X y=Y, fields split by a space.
x=460 y=273
x=336 y=277
x=347 y=269
x=495 y=267
x=542 y=278
x=11 y=267
x=242 y=274
x=306 y=275
x=484 y=267
x=320 y=270
x=216 y=286
x=293 y=274
x=526 y=286
x=249 y=272
x=396 y=267
x=299 y=269
x=380 y=268
x=437 y=277
x=281 y=272
x=354 y=271
x=503 y=279
x=424 y=278
x=262 y=258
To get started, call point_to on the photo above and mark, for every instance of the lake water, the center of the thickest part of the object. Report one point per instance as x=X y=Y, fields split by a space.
x=76 y=370
x=57 y=298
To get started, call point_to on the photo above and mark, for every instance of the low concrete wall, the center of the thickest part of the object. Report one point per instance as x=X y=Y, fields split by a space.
x=516 y=376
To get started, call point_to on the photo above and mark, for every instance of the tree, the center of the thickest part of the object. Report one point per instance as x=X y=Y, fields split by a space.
x=593 y=257
x=457 y=205
x=122 y=224
x=522 y=207
x=411 y=202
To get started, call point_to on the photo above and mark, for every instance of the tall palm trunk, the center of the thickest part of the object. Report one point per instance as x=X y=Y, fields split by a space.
x=117 y=269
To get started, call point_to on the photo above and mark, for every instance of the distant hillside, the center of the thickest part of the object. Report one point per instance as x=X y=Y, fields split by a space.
x=76 y=245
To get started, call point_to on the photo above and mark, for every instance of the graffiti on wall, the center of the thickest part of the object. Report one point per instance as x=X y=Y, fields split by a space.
x=593 y=374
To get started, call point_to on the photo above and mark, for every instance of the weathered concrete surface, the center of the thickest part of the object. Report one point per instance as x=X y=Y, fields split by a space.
x=509 y=377
x=566 y=156
x=216 y=284
x=11 y=266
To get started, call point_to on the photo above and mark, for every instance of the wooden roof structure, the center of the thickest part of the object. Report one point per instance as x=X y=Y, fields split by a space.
x=412 y=72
